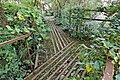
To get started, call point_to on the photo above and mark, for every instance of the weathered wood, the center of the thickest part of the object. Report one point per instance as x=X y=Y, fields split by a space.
x=15 y=39
x=97 y=19
x=48 y=62
x=109 y=70
x=36 y=59
x=97 y=10
x=91 y=19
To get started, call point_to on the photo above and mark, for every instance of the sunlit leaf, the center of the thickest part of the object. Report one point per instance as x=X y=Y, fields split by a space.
x=9 y=28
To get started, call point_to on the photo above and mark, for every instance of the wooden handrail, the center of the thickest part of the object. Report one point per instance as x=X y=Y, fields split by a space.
x=15 y=39
x=91 y=19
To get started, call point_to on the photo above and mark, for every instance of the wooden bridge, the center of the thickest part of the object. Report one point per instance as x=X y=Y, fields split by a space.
x=63 y=62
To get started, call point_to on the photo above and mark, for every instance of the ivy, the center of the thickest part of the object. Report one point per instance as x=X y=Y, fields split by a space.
x=21 y=20
x=102 y=42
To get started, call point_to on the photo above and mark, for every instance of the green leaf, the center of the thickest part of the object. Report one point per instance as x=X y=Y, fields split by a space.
x=26 y=30
x=44 y=30
x=97 y=65
x=30 y=38
x=17 y=30
x=102 y=39
x=107 y=44
x=9 y=28
x=39 y=39
x=117 y=77
x=10 y=18
x=13 y=32
x=85 y=46
x=112 y=52
x=29 y=70
x=80 y=63
x=115 y=47
x=19 y=78
x=27 y=61
x=33 y=14
x=32 y=29
x=81 y=69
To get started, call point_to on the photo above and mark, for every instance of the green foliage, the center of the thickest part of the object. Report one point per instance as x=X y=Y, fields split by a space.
x=72 y=20
x=103 y=42
x=21 y=19
x=116 y=19
x=118 y=77
x=93 y=62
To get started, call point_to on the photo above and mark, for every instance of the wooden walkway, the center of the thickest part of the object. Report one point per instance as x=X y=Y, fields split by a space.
x=63 y=62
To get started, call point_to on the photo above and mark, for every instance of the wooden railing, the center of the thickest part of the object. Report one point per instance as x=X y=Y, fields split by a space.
x=15 y=39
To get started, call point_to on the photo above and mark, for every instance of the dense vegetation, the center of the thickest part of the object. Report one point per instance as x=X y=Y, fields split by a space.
x=100 y=40
x=103 y=39
x=19 y=58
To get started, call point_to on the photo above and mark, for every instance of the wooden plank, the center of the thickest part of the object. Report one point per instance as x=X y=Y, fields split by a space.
x=109 y=70
x=15 y=39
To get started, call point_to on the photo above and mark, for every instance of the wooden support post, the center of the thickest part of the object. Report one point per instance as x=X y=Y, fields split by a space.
x=109 y=70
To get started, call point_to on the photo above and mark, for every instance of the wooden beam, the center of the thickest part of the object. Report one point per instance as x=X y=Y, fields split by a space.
x=15 y=39
x=97 y=19
x=97 y=10
x=37 y=58
x=91 y=19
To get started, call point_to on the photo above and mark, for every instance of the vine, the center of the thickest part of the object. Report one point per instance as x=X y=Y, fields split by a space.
x=18 y=58
x=104 y=42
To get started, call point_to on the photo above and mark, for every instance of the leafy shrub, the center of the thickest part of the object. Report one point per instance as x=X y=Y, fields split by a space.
x=21 y=19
